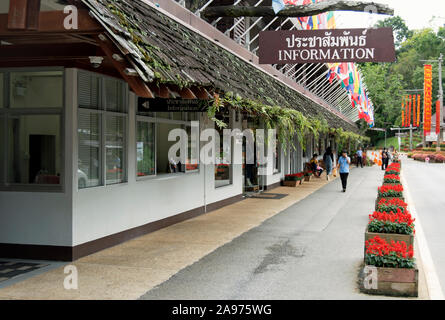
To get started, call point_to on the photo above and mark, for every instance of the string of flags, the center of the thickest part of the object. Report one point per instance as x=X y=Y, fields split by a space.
x=346 y=73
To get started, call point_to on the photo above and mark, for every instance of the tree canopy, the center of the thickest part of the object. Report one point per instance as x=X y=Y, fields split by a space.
x=387 y=82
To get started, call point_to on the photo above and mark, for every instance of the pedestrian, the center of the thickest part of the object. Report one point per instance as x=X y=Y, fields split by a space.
x=384 y=159
x=343 y=166
x=360 y=157
x=328 y=159
x=316 y=169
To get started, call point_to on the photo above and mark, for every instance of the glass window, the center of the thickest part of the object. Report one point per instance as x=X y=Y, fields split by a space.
x=145 y=148
x=88 y=172
x=34 y=149
x=115 y=149
x=2 y=149
x=163 y=115
x=163 y=163
x=88 y=90
x=277 y=158
x=115 y=95
x=224 y=157
x=42 y=89
x=2 y=95
x=101 y=133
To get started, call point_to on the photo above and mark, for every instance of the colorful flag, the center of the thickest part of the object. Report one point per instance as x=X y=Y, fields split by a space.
x=438 y=122
x=278 y=5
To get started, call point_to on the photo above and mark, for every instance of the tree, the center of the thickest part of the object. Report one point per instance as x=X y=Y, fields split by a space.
x=401 y=30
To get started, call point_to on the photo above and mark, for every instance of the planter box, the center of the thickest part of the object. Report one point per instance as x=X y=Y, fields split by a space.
x=308 y=178
x=378 y=200
x=388 y=237
x=293 y=183
x=393 y=282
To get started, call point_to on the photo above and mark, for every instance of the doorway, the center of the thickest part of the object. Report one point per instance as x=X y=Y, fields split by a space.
x=42 y=156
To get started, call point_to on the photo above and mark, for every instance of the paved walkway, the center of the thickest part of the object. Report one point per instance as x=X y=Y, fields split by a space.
x=129 y=270
x=312 y=250
x=425 y=182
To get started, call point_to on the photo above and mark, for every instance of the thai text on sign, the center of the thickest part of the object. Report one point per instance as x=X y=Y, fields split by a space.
x=327 y=46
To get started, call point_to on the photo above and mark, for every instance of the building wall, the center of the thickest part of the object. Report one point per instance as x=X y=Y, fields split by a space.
x=106 y=210
x=42 y=218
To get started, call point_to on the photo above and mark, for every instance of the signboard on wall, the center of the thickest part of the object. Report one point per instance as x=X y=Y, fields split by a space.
x=171 y=105
x=327 y=46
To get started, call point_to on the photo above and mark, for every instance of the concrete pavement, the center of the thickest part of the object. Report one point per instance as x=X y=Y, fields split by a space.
x=129 y=270
x=312 y=250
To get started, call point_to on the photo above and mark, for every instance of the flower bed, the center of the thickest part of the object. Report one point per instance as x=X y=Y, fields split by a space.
x=391 y=179
x=292 y=180
x=390 y=191
x=391 y=226
x=382 y=254
x=294 y=177
x=391 y=205
x=308 y=176
x=393 y=222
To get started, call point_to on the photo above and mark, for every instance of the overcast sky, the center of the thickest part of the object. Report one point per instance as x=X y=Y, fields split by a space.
x=416 y=13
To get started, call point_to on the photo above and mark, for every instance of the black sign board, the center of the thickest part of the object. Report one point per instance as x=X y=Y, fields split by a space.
x=171 y=105
x=327 y=46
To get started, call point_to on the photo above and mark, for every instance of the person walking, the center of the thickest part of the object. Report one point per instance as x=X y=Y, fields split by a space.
x=343 y=166
x=384 y=159
x=328 y=159
x=360 y=157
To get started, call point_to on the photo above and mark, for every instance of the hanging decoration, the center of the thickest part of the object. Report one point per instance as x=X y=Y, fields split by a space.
x=418 y=111
x=414 y=110
x=438 y=117
x=428 y=96
x=403 y=112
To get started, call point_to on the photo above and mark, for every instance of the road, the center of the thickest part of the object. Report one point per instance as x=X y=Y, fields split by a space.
x=426 y=183
x=312 y=250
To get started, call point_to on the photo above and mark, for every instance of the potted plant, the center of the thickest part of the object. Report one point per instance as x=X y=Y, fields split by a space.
x=292 y=180
x=391 y=179
x=389 y=191
x=393 y=226
x=308 y=176
x=394 y=266
x=391 y=205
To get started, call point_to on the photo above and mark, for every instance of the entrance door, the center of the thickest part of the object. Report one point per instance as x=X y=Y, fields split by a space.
x=252 y=182
x=42 y=155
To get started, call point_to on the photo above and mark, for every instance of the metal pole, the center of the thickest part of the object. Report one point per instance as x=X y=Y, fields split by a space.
x=441 y=109
x=411 y=137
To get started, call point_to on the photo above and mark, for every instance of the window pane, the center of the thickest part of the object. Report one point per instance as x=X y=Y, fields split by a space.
x=2 y=149
x=223 y=170
x=163 y=115
x=163 y=163
x=2 y=95
x=34 y=149
x=115 y=95
x=145 y=149
x=192 y=161
x=88 y=91
x=115 y=149
x=42 y=89
x=88 y=172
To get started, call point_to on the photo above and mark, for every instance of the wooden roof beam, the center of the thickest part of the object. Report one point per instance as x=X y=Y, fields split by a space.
x=136 y=84
x=50 y=22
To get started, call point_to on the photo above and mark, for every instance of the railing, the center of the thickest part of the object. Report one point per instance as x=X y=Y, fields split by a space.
x=331 y=93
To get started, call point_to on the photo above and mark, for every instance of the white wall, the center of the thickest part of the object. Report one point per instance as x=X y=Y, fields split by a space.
x=102 y=211
x=42 y=218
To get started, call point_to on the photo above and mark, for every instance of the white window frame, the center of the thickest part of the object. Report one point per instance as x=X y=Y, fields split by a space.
x=103 y=113
x=7 y=113
x=156 y=121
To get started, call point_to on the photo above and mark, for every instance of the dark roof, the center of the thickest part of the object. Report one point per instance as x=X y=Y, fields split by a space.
x=166 y=51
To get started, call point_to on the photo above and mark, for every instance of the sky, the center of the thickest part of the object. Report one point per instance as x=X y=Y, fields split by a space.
x=417 y=14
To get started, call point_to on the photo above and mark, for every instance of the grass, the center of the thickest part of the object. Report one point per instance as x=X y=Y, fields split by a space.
x=393 y=141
